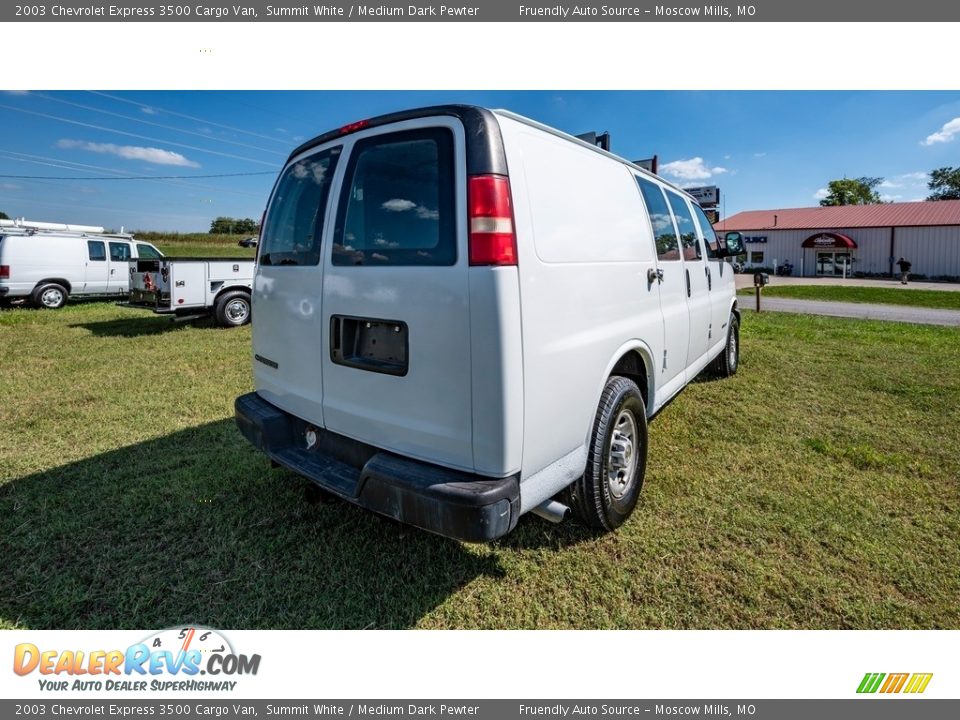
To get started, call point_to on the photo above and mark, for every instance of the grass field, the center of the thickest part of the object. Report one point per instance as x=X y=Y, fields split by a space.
x=816 y=489
x=894 y=295
x=197 y=244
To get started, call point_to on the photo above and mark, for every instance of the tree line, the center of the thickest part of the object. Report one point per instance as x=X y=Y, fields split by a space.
x=944 y=184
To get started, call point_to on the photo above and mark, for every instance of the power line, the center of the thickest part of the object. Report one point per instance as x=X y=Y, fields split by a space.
x=188 y=117
x=154 y=124
x=135 y=135
x=136 y=177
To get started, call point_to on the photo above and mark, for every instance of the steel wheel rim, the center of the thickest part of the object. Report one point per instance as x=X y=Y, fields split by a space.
x=237 y=311
x=733 y=350
x=51 y=297
x=622 y=455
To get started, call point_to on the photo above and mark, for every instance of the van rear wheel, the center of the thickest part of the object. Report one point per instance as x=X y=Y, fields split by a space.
x=616 y=459
x=50 y=295
x=233 y=309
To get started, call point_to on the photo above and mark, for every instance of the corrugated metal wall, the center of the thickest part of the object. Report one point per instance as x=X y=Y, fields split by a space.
x=932 y=250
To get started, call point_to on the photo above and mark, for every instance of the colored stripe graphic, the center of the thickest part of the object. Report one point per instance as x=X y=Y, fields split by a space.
x=870 y=682
x=918 y=683
x=894 y=682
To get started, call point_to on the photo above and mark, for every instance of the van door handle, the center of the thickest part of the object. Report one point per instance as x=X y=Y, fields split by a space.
x=688 y=282
x=709 y=280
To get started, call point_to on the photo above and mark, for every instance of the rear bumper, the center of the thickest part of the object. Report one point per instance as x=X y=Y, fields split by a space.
x=447 y=502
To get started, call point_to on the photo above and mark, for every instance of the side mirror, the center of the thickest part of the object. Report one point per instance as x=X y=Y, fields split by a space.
x=732 y=245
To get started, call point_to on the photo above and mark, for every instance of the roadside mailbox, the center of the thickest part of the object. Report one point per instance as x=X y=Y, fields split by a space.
x=760 y=280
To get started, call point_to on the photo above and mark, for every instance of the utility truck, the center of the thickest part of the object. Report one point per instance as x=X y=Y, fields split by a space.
x=191 y=288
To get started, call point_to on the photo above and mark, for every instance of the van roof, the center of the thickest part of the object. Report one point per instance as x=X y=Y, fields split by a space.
x=483 y=158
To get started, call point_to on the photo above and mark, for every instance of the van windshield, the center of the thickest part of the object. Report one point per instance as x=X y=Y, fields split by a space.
x=294 y=222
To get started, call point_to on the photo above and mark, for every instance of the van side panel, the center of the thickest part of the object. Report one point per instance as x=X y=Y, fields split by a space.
x=584 y=248
x=497 y=374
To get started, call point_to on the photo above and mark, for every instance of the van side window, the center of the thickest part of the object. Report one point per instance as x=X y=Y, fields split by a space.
x=148 y=252
x=119 y=251
x=665 y=237
x=689 y=240
x=398 y=202
x=294 y=223
x=710 y=238
x=96 y=250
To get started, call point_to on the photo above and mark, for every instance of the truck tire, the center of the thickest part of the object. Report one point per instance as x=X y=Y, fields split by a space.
x=233 y=309
x=51 y=296
x=616 y=459
x=728 y=361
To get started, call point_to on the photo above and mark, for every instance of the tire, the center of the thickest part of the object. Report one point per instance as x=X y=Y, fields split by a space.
x=728 y=361
x=50 y=296
x=608 y=491
x=233 y=309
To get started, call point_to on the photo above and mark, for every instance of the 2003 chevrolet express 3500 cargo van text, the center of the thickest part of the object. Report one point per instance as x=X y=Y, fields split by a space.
x=464 y=315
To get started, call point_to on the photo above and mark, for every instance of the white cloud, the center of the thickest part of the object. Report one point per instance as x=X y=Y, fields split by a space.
x=17 y=92
x=891 y=198
x=10 y=186
x=398 y=205
x=944 y=134
x=821 y=194
x=130 y=152
x=147 y=110
x=759 y=154
x=898 y=181
x=692 y=169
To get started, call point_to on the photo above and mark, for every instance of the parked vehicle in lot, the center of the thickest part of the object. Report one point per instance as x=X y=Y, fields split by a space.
x=250 y=242
x=464 y=316
x=190 y=288
x=47 y=263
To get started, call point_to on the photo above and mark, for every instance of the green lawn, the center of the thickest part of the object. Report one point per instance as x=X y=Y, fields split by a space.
x=198 y=244
x=893 y=295
x=816 y=489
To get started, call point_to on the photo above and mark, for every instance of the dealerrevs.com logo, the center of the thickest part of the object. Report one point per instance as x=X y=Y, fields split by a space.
x=892 y=683
x=171 y=660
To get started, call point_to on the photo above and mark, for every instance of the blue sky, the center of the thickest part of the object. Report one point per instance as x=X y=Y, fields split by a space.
x=764 y=149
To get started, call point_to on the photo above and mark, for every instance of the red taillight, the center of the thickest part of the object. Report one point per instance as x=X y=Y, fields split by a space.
x=4 y=272
x=354 y=126
x=492 y=238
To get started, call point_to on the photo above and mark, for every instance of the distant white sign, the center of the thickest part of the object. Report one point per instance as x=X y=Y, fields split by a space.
x=709 y=195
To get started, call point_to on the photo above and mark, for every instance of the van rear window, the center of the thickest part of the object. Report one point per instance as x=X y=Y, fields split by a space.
x=398 y=203
x=294 y=223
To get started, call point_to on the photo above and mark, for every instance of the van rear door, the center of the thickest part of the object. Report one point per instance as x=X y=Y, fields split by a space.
x=288 y=286
x=396 y=317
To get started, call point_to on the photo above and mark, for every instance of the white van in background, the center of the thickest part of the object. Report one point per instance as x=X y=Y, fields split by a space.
x=48 y=262
x=464 y=315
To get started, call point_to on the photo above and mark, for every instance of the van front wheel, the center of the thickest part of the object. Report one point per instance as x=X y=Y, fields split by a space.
x=616 y=460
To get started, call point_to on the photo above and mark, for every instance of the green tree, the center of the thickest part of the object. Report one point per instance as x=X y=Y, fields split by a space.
x=945 y=184
x=236 y=226
x=852 y=191
x=4 y=216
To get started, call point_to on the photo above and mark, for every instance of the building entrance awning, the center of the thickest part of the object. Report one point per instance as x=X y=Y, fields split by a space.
x=830 y=241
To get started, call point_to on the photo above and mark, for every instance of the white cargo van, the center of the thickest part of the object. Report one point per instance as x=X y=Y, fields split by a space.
x=464 y=316
x=48 y=262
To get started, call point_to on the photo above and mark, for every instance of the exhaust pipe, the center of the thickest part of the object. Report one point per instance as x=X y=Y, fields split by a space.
x=552 y=511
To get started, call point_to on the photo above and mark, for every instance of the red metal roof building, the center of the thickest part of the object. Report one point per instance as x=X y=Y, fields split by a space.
x=854 y=239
